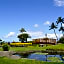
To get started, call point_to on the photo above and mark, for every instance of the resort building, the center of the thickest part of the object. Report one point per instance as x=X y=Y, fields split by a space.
x=44 y=41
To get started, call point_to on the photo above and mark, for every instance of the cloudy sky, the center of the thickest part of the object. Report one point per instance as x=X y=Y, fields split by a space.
x=33 y=15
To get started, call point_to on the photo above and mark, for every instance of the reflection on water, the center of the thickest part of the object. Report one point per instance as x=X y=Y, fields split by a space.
x=41 y=57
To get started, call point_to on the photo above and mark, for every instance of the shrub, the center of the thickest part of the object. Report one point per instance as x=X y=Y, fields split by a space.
x=5 y=47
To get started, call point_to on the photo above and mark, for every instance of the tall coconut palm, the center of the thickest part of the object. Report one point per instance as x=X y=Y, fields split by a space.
x=0 y=39
x=53 y=26
x=61 y=21
x=62 y=29
x=22 y=30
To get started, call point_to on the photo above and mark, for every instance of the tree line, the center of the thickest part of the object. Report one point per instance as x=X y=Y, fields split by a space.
x=60 y=27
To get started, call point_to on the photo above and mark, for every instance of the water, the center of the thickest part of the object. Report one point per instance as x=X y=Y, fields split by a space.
x=41 y=57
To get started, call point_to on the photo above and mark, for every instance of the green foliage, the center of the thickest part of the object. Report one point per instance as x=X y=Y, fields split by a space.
x=61 y=40
x=5 y=47
x=5 y=60
x=22 y=30
x=60 y=21
x=54 y=59
x=23 y=37
x=53 y=26
x=41 y=53
x=0 y=39
x=2 y=42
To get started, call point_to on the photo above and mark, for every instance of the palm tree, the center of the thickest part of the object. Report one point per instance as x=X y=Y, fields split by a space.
x=61 y=21
x=0 y=40
x=53 y=26
x=22 y=30
x=62 y=29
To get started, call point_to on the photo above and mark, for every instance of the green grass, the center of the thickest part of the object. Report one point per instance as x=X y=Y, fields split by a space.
x=5 y=60
x=59 y=46
x=25 y=48
x=54 y=59
x=41 y=53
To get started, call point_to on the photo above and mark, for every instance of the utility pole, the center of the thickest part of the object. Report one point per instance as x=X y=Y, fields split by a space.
x=46 y=38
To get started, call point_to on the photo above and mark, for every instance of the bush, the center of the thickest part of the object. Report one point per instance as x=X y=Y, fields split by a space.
x=5 y=47
x=61 y=40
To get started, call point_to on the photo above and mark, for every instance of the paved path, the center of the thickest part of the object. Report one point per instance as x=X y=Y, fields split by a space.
x=9 y=54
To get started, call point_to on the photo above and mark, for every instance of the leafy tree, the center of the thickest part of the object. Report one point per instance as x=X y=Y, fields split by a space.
x=61 y=40
x=23 y=36
x=0 y=39
x=53 y=26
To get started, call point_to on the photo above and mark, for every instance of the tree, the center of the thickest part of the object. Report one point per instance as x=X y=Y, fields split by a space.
x=22 y=30
x=61 y=40
x=61 y=21
x=0 y=39
x=53 y=26
x=23 y=36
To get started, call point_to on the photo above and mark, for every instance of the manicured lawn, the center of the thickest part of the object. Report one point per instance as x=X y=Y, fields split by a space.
x=59 y=46
x=25 y=48
x=5 y=60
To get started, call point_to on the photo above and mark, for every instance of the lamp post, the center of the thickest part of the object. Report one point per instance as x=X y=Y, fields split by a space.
x=46 y=39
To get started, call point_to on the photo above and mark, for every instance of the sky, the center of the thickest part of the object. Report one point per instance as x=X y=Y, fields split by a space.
x=33 y=15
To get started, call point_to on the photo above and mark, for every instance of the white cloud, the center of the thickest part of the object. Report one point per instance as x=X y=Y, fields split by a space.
x=34 y=34
x=59 y=2
x=61 y=35
x=47 y=23
x=9 y=35
x=63 y=25
x=40 y=34
x=36 y=25
x=51 y=36
x=37 y=33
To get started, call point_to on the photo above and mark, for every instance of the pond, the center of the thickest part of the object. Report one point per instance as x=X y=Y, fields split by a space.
x=43 y=57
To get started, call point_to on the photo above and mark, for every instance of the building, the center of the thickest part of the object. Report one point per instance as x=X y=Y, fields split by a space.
x=44 y=41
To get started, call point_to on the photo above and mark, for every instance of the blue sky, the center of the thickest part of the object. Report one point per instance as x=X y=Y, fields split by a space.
x=33 y=15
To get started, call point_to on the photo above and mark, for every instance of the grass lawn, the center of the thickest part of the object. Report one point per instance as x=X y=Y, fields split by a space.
x=5 y=60
x=25 y=48
x=59 y=46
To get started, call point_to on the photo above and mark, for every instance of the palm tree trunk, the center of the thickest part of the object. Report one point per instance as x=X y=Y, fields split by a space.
x=62 y=30
x=63 y=33
x=56 y=35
